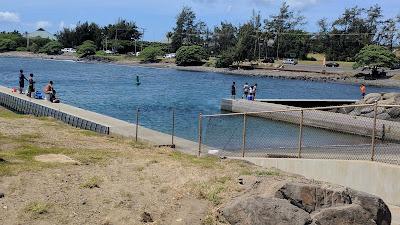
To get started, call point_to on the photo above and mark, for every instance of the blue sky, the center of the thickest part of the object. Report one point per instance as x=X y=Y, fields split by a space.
x=158 y=16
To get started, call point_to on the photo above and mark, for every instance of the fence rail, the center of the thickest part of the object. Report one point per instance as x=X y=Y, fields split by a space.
x=356 y=132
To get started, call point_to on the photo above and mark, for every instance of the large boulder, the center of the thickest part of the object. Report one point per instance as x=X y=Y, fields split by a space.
x=342 y=215
x=391 y=95
x=394 y=112
x=372 y=98
x=311 y=197
x=257 y=210
x=384 y=116
x=376 y=207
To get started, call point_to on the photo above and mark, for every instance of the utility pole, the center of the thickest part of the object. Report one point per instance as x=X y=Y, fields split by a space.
x=277 y=46
x=27 y=39
x=141 y=46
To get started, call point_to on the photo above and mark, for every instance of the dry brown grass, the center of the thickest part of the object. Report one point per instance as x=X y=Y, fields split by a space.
x=115 y=181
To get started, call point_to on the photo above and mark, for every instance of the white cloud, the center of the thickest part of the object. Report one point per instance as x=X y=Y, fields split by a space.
x=9 y=17
x=43 y=24
x=62 y=25
x=301 y=3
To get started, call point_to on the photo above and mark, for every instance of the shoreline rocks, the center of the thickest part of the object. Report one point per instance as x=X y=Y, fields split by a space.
x=303 y=204
x=384 y=111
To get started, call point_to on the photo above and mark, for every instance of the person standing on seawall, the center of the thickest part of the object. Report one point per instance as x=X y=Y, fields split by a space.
x=245 y=90
x=22 y=79
x=233 y=90
x=363 y=90
x=31 y=87
x=254 y=91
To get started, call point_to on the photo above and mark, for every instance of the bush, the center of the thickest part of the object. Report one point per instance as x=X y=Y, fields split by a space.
x=190 y=55
x=33 y=48
x=7 y=45
x=22 y=49
x=51 y=48
x=151 y=53
x=225 y=59
x=86 y=48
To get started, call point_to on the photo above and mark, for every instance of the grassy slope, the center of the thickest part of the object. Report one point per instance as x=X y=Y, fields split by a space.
x=107 y=165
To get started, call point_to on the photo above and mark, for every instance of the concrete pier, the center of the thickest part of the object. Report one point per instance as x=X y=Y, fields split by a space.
x=307 y=103
x=89 y=120
x=389 y=130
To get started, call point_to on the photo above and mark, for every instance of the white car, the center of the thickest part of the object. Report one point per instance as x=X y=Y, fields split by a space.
x=109 y=52
x=170 y=55
x=290 y=61
x=68 y=50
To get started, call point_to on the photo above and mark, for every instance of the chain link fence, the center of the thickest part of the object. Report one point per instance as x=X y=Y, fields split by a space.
x=353 y=132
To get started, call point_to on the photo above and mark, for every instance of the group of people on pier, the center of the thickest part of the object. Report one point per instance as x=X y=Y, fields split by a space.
x=48 y=90
x=249 y=91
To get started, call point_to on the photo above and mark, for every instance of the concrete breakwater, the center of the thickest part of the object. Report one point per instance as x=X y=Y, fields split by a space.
x=89 y=120
x=388 y=130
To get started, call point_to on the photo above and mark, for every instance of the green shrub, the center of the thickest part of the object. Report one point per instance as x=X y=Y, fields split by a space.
x=7 y=45
x=190 y=55
x=86 y=48
x=33 y=48
x=151 y=54
x=225 y=59
x=51 y=48
x=22 y=49
x=375 y=56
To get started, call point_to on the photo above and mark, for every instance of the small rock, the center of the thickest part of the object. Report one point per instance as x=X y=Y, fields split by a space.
x=367 y=109
x=146 y=217
x=1 y=195
x=384 y=116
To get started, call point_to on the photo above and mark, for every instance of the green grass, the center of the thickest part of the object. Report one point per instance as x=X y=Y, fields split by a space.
x=212 y=189
x=22 y=158
x=37 y=208
x=204 y=162
x=7 y=114
x=93 y=182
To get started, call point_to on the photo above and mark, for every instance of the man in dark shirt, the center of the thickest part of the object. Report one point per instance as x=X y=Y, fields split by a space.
x=233 y=90
x=22 y=79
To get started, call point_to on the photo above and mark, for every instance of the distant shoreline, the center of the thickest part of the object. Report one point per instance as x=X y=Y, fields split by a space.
x=277 y=74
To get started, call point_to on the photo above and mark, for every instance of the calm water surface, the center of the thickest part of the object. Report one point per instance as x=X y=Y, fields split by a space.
x=111 y=90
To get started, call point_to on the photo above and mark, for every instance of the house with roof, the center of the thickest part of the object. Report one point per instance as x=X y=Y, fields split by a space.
x=42 y=33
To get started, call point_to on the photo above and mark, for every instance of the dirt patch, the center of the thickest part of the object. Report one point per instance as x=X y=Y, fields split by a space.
x=55 y=158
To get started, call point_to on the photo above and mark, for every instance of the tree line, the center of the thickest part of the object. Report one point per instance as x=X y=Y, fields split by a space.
x=278 y=35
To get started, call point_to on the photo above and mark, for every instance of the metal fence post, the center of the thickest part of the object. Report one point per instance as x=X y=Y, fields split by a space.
x=300 y=134
x=137 y=124
x=173 y=129
x=244 y=135
x=200 y=134
x=374 y=133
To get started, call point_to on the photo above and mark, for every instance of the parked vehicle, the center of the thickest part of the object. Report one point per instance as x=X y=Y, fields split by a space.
x=109 y=52
x=395 y=66
x=170 y=56
x=331 y=64
x=268 y=60
x=68 y=50
x=290 y=61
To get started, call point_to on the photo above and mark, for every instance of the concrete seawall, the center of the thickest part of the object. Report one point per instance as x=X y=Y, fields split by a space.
x=359 y=125
x=372 y=177
x=89 y=120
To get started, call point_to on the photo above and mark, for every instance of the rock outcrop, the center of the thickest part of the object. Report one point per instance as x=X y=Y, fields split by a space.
x=383 y=112
x=303 y=204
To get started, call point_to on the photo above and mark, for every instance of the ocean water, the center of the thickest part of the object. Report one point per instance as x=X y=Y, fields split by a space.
x=111 y=90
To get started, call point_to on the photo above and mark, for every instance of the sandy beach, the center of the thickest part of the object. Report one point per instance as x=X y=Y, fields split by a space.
x=394 y=81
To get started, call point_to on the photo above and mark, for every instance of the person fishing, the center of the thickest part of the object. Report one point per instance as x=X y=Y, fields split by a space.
x=31 y=86
x=22 y=79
